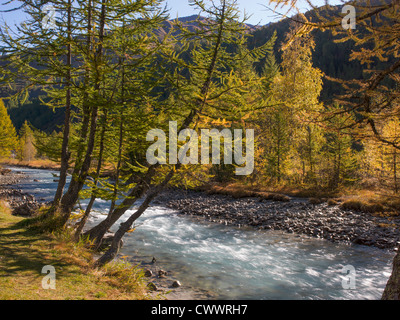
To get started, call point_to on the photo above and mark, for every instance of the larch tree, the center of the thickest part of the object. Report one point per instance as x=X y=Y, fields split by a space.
x=97 y=87
x=39 y=53
x=338 y=149
x=198 y=87
x=8 y=141
x=382 y=160
x=375 y=31
x=27 y=150
x=291 y=135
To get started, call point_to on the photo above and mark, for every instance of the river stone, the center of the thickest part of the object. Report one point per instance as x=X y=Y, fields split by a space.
x=152 y=286
x=148 y=273
x=162 y=273
x=176 y=284
x=318 y=219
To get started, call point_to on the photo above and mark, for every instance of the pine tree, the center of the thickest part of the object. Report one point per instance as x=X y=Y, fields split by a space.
x=8 y=141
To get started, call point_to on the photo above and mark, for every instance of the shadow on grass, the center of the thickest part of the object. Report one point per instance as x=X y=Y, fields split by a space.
x=25 y=250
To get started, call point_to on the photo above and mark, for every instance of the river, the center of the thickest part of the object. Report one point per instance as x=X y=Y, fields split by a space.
x=242 y=263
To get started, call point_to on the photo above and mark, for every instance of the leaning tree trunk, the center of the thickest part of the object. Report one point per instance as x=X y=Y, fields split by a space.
x=85 y=217
x=392 y=290
x=97 y=233
x=124 y=227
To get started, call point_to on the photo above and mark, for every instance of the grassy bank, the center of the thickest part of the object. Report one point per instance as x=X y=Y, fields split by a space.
x=34 y=164
x=375 y=201
x=24 y=252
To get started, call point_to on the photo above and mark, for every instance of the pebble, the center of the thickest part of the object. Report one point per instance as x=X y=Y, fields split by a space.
x=148 y=273
x=162 y=273
x=152 y=286
x=176 y=284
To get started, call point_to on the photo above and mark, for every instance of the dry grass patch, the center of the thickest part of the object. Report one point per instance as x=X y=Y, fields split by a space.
x=238 y=191
x=370 y=201
x=362 y=206
x=36 y=164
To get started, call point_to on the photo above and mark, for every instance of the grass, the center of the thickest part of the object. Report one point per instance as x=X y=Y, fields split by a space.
x=24 y=252
x=270 y=192
x=238 y=191
x=35 y=164
x=374 y=202
x=368 y=200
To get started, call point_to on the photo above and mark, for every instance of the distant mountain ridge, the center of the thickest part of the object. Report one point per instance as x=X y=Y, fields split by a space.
x=192 y=23
x=331 y=58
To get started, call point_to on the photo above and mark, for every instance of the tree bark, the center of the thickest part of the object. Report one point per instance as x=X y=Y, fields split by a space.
x=392 y=290
x=98 y=231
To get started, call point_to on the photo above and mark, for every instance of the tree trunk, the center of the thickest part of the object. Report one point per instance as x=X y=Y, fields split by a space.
x=392 y=290
x=98 y=231
x=121 y=133
x=124 y=227
x=65 y=154
x=71 y=196
x=93 y=197
x=396 y=188
x=86 y=110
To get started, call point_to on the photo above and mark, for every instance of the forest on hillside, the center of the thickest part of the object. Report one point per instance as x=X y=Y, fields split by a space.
x=317 y=103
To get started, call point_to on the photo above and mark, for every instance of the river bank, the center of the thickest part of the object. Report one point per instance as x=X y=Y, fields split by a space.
x=33 y=164
x=234 y=262
x=20 y=203
x=290 y=214
x=322 y=220
x=161 y=284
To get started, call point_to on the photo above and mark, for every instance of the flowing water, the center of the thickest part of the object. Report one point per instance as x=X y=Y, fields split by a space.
x=242 y=263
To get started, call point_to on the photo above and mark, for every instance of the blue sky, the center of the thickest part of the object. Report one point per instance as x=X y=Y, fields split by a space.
x=256 y=8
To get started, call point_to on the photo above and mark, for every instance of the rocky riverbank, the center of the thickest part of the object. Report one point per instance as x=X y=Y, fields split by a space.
x=21 y=203
x=298 y=215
